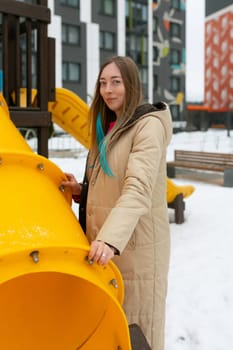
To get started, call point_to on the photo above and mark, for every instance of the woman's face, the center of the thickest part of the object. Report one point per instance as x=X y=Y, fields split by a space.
x=112 y=88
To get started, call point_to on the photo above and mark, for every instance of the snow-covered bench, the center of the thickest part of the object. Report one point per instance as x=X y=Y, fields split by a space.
x=206 y=161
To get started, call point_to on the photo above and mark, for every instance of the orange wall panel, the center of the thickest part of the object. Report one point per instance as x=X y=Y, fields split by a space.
x=219 y=61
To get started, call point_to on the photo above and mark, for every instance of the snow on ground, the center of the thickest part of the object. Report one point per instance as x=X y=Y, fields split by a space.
x=200 y=298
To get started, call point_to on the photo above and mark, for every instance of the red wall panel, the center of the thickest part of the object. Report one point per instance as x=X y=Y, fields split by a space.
x=219 y=61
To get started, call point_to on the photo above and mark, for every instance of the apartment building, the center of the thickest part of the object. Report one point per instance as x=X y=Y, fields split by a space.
x=219 y=55
x=169 y=55
x=151 y=32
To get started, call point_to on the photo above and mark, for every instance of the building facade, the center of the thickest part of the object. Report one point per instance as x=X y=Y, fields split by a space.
x=219 y=55
x=151 y=32
x=169 y=55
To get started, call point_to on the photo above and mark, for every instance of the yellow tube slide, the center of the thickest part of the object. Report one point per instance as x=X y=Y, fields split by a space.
x=51 y=296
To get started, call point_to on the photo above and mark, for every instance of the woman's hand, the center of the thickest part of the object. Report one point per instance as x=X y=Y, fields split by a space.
x=100 y=252
x=73 y=184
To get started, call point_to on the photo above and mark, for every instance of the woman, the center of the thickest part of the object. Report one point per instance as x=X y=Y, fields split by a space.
x=126 y=210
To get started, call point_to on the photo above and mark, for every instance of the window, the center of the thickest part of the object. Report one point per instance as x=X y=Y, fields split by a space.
x=144 y=75
x=175 y=84
x=73 y=3
x=71 y=72
x=70 y=34
x=175 y=30
x=175 y=112
x=107 y=41
x=144 y=79
x=155 y=82
x=175 y=56
x=131 y=42
x=140 y=12
x=136 y=14
x=137 y=48
x=155 y=54
x=176 y=4
x=155 y=24
x=107 y=7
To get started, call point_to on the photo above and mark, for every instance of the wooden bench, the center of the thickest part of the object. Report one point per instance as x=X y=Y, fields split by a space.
x=206 y=161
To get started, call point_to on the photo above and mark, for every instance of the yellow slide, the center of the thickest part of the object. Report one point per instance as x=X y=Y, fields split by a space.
x=173 y=190
x=51 y=296
x=70 y=113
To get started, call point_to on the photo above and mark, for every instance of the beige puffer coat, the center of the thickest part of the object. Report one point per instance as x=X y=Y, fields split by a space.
x=129 y=211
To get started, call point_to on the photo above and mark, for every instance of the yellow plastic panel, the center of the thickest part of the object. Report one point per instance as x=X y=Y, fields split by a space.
x=58 y=311
x=70 y=112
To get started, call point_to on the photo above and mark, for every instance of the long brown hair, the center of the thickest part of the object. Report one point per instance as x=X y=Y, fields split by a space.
x=133 y=96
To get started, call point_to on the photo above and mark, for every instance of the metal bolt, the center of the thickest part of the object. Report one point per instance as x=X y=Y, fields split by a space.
x=114 y=283
x=40 y=166
x=62 y=188
x=35 y=256
x=90 y=261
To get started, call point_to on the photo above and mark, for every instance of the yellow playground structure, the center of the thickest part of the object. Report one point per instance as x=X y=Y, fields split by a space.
x=51 y=296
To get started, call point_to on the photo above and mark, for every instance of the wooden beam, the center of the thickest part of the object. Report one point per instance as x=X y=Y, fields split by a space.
x=30 y=118
x=16 y=8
